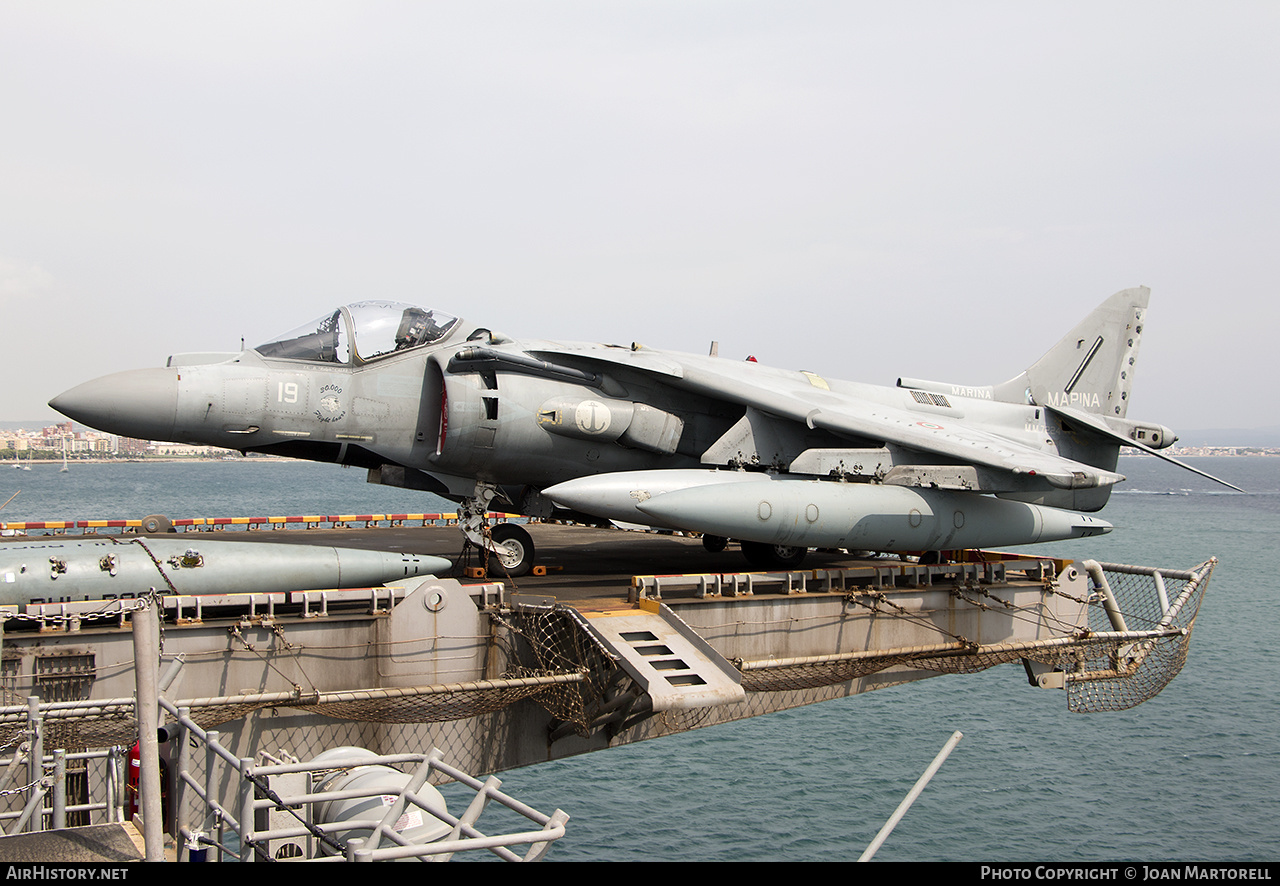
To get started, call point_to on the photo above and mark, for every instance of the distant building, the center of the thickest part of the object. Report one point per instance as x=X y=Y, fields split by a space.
x=186 y=450
x=129 y=446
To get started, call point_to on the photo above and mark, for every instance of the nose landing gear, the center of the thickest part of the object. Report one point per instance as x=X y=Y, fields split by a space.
x=512 y=549
x=506 y=547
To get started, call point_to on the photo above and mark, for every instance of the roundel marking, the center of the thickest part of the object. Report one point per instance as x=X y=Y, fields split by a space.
x=592 y=417
x=930 y=425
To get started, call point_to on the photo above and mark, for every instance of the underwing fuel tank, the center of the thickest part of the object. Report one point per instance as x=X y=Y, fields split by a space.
x=819 y=514
x=66 y=569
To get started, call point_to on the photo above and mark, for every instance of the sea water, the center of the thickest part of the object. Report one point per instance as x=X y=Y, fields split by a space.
x=1191 y=775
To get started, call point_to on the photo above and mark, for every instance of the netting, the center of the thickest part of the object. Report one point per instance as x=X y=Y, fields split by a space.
x=553 y=638
x=1140 y=623
x=785 y=676
x=1122 y=673
x=105 y=726
x=102 y=727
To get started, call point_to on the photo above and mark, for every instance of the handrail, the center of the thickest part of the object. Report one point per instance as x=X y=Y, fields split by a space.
x=218 y=524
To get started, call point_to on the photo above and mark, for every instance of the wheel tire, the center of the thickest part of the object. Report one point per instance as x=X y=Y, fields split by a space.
x=766 y=556
x=156 y=523
x=519 y=545
x=714 y=543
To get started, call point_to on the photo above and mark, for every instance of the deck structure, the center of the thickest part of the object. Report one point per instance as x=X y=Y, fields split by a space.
x=628 y=636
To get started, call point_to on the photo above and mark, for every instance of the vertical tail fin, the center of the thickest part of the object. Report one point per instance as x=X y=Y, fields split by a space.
x=1091 y=368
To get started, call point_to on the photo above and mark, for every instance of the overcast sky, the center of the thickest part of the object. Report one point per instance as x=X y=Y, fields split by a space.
x=862 y=189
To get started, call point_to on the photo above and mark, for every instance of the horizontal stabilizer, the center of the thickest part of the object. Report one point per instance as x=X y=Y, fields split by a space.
x=1097 y=425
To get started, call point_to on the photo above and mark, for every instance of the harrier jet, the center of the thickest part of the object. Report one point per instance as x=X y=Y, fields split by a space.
x=781 y=461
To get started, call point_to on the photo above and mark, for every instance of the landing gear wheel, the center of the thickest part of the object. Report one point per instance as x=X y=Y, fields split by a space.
x=766 y=556
x=714 y=543
x=515 y=554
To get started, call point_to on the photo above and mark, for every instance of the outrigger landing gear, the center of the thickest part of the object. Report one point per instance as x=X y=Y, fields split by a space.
x=767 y=556
x=758 y=554
x=507 y=544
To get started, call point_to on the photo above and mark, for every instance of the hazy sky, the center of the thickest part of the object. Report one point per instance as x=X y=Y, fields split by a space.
x=861 y=189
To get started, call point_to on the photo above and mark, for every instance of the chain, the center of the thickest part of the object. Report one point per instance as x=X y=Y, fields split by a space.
x=485 y=556
x=23 y=750
x=265 y=788
x=234 y=631
x=959 y=594
x=151 y=597
x=22 y=790
x=877 y=599
x=154 y=559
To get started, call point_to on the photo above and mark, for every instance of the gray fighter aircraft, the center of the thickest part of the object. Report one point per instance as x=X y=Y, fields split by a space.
x=781 y=461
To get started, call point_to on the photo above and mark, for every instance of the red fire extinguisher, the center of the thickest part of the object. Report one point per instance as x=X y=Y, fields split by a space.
x=131 y=787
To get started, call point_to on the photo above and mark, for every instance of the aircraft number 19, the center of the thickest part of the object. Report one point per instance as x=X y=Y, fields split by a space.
x=287 y=392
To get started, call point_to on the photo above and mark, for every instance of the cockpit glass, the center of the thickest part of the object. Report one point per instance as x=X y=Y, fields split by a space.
x=321 y=341
x=386 y=327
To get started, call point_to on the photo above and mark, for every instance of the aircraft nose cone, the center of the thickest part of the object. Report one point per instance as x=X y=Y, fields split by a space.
x=141 y=403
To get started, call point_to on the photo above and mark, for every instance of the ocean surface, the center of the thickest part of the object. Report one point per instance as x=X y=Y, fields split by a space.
x=1191 y=775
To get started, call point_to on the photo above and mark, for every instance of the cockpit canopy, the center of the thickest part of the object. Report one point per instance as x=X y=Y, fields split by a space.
x=376 y=328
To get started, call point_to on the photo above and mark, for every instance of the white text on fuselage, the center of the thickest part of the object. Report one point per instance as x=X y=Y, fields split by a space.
x=976 y=393
x=1086 y=399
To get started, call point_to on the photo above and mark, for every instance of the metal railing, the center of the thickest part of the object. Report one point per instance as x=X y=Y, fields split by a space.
x=270 y=810
x=50 y=783
x=298 y=834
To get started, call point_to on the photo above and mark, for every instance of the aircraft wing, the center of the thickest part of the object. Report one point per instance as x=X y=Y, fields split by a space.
x=847 y=416
x=635 y=357
x=790 y=397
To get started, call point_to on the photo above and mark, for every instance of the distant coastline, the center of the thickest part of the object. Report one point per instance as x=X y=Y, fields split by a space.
x=157 y=459
x=1212 y=451
x=1177 y=452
